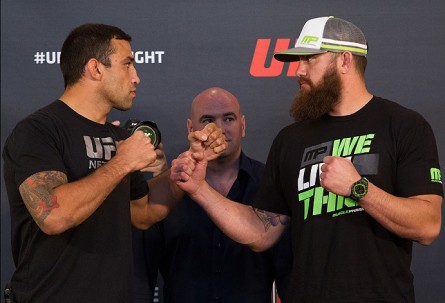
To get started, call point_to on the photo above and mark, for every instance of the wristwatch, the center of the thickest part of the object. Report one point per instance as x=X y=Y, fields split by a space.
x=359 y=189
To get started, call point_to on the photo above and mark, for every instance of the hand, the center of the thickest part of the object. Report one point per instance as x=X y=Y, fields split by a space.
x=188 y=171
x=337 y=175
x=210 y=140
x=136 y=151
x=160 y=164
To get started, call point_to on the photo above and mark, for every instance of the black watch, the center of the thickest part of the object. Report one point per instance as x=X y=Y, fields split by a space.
x=359 y=189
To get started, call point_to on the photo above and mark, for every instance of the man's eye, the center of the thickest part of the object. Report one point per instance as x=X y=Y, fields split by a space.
x=308 y=58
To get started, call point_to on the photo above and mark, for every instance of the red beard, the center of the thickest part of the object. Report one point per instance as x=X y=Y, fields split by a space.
x=317 y=100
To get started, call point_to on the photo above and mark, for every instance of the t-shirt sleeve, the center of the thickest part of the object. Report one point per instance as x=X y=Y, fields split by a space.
x=418 y=169
x=33 y=147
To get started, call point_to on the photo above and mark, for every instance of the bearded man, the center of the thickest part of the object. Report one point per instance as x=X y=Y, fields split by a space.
x=356 y=175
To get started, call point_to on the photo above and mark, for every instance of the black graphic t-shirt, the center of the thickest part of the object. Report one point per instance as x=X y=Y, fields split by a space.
x=341 y=254
x=93 y=261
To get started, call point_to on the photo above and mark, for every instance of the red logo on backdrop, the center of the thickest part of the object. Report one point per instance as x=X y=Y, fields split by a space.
x=263 y=55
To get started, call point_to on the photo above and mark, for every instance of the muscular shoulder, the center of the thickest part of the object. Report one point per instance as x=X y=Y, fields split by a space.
x=44 y=120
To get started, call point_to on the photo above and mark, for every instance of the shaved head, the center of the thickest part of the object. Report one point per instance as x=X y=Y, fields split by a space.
x=219 y=106
x=211 y=99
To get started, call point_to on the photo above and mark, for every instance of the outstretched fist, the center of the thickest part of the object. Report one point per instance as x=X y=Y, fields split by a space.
x=210 y=140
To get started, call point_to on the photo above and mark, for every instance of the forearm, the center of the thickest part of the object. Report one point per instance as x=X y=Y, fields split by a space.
x=417 y=218
x=238 y=221
x=163 y=197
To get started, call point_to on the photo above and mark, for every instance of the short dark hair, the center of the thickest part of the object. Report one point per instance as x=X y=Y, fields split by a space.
x=85 y=42
x=360 y=64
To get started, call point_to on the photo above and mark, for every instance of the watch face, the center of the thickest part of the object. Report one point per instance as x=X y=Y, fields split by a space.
x=360 y=189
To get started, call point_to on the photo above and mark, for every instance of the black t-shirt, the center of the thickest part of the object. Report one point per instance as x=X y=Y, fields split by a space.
x=93 y=261
x=341 y=254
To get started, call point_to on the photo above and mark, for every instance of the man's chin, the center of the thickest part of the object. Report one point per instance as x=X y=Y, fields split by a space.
x=223 y=155
x=122 y=108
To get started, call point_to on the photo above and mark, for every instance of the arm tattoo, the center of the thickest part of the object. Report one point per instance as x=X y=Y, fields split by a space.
x=270 y=219
x=37 y=193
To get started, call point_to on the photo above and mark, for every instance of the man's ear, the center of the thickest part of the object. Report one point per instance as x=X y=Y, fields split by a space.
x=189 y=125
x=93 y=69
x=243 y=125
x=346 y=62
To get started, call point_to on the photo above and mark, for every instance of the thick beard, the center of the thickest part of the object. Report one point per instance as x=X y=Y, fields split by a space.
x=318 y=100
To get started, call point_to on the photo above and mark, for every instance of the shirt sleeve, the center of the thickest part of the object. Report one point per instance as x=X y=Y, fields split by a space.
x=418 y=169
x=33 y=147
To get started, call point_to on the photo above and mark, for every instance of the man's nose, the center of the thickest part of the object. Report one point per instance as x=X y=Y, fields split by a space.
x=220 y=123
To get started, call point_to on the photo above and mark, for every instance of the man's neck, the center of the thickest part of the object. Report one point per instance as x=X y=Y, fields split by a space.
x=353 y=98
x=85 y=104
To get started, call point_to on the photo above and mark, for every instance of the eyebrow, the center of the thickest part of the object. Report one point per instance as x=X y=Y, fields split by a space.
x=212 y=117
x=128 y=58
x=206 y=117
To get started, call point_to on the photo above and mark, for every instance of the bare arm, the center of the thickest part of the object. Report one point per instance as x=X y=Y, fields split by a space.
x=258 y=229
x=57 y=205
x=146 y=211
x=164 y=193
x=417 y=218
x=163 y=197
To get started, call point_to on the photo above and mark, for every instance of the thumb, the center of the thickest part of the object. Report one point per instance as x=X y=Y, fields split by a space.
x=196 y=139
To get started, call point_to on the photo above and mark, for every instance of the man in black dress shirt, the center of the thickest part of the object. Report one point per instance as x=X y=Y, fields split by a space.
x=198 y=262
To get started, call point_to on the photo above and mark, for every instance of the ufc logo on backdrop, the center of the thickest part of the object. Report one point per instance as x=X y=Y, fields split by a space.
x=258 y=67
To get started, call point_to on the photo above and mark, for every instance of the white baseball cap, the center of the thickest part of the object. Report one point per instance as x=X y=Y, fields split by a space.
x=326 y=34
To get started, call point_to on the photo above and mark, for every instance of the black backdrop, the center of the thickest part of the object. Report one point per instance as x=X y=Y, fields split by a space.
x=183 y=47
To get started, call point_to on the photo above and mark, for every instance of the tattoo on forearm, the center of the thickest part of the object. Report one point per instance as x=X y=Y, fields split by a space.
x=270 y=219
x=37 y=193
